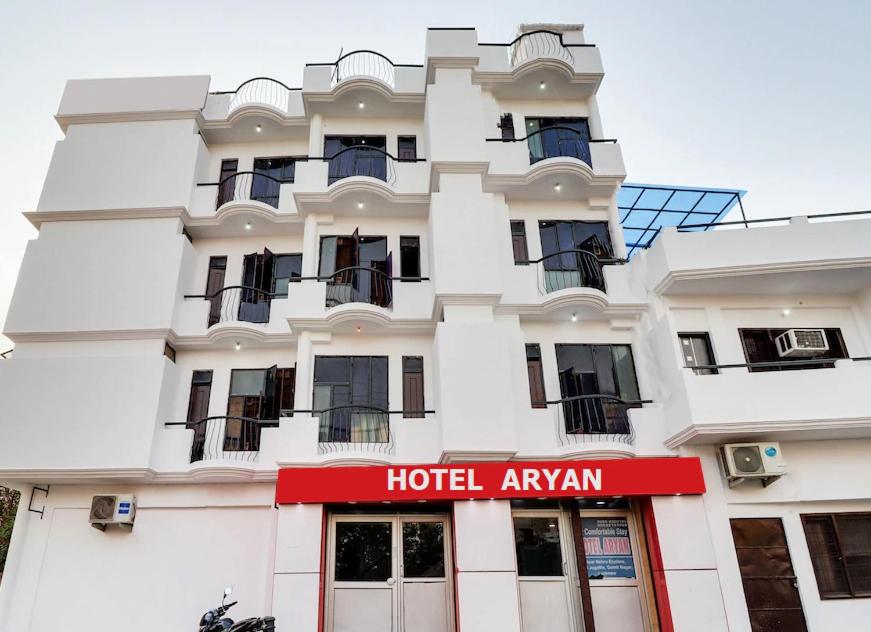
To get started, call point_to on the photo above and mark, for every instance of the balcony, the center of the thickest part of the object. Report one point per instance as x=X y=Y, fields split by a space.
x=818 y=254
x=359 y=285
x=554 y=163
x=260 y=96
x=798 y=404
x=238 y=303
x=570 y=269
x=243 y=191
x=225 y=438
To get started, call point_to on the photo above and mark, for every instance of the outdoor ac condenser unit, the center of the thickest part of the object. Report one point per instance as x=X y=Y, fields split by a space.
x=109 y=510
x=794 y=343
x=762 y=461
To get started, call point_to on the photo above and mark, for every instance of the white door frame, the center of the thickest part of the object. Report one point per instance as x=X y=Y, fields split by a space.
x=570 y=568
x=396 y=521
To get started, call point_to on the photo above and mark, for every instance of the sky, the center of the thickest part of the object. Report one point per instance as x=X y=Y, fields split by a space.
x=772 y=97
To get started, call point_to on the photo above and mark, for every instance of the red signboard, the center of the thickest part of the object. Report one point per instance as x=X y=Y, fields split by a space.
x=537 y=479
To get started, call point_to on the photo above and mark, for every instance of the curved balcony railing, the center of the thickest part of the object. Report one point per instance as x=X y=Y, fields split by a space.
x=260 y=91
x=226 y=438
x=364 y=63
x=238 y=303
x=558 y=141
x=594 y=418
x=361 y=160
x=359 y=285
x=571 y=268
x=539 y=44
x=249 y=185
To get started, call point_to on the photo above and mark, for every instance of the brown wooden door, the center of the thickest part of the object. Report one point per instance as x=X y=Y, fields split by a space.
x=770 y=587
x=214 y=284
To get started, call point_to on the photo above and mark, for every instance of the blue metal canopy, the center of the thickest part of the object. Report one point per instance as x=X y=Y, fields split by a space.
x=645 y=208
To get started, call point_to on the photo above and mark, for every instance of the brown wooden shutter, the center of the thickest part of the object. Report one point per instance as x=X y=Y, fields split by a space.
x=534 y=371
x=412 y=387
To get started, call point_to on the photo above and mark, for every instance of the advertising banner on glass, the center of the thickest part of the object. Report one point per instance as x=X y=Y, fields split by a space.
x=609 y=552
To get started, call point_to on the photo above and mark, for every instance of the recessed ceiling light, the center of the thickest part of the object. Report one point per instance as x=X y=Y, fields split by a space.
x=360 y=204
x=574 y=318
x=359 y=329
x=238 y=346
x=247 y=225
x=362 y=141
x=600 y=502
x=542 y=86
x=557 y=187
x=786 y=312
x=361 y=105
x=259 y=128
x=531 y=123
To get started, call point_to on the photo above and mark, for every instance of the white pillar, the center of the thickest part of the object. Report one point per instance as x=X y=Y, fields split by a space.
x=296 y=586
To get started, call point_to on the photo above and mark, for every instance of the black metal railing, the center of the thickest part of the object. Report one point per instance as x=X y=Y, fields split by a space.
x=571 y=268
x=539 y=44
x=248 y=185
x=361 y=160
x=359 y=285
x=260 y=91
x=776 y=365
x=225 y=438
x=238 y=303
x=595 y=417
x=558 y=141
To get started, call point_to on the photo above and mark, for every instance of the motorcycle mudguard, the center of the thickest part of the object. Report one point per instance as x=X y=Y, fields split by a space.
x=247 y=625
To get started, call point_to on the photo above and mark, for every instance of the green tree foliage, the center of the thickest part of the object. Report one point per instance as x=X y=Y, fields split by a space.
x=8 y=506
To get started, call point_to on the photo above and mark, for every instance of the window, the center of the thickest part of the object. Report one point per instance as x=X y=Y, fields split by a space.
x=350 y=398
x=537 y=543
x=518 y=241
x=287 y=267
x=169 y=351
x=506 y=124
x=266 y=189
x=840 y=549
x=549 y=137
x=412 y=387
x=364 y=551
x=697 y=351
x=198 y=401
x=559 y=236
x=357 y=269
x=227 y=183
x=356 y=156
x=409 y=257
x=536 y=376
x=214 y=285
x=256 y=394
x=596 y=370
x=759 y=346
x=407 y=146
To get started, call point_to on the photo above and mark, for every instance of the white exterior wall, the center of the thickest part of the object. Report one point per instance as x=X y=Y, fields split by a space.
x=88 y=392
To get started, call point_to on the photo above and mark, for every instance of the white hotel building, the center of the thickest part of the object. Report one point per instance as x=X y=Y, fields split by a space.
x=422 y=264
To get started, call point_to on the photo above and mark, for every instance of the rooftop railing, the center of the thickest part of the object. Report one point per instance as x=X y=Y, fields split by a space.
x=539 y=44
x=571 y=268
x=594 y=418
x=238 y=303
x=225 y=438
x=260 y=91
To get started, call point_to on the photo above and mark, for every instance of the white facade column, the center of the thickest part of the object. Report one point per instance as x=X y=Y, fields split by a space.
x=487 y=593
x=296 y=587
x=304 y=369
x=316 y=135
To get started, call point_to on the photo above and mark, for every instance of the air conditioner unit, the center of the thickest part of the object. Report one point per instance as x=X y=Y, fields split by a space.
x=794 y=343
x=762 y=461
x=109 y=510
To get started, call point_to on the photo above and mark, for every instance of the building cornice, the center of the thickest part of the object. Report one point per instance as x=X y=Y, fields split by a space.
x=703 y=433
x=125 y=117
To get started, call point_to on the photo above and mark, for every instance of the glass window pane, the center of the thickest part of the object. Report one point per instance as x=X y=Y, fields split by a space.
x=247 y=382
x=363 y=551
x=822 y=543
x=624 y=370
x=537 y=542
x=423 y=549
x=332 y=369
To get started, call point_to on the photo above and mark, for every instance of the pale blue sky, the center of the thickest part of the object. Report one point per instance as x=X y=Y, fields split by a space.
x=773 y=97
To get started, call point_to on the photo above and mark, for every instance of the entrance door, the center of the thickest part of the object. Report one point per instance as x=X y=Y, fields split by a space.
x=389 y=574
x=545 y=572
x=769 y=580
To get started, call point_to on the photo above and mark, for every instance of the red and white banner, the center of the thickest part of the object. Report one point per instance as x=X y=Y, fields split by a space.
x=537 y=479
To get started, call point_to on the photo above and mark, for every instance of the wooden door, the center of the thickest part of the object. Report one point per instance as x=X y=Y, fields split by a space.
x=770 y=587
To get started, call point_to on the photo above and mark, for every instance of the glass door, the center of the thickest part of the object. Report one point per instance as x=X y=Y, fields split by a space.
x=546 y=573
x=389 y=574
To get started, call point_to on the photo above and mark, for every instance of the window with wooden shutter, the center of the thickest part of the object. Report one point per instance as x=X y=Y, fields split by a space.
x=840 y=550
x=518 y=241
x=536 y=376
x=412 y=387
x=198 y=401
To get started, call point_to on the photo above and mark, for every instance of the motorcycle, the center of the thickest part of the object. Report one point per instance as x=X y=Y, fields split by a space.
x=215 y=621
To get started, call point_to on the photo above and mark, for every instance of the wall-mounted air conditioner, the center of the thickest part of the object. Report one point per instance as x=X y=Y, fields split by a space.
x=795 y=343
x=762 y=461
x=109 y=510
